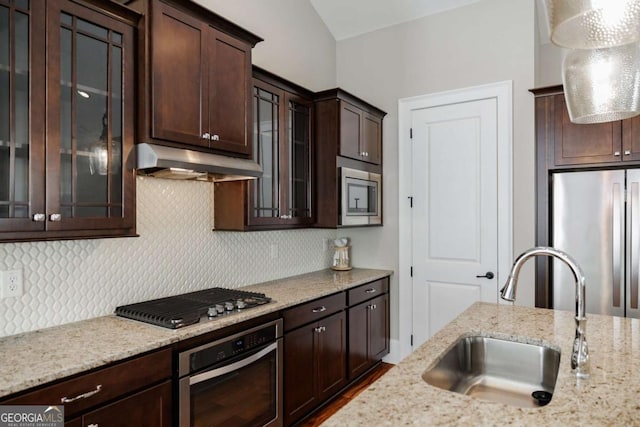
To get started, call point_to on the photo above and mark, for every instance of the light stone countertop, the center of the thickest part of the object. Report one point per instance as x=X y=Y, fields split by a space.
x=611 y=396
x=34 y=358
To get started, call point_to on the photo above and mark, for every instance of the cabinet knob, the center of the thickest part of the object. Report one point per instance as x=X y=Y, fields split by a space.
x=39 y=217
x=206 y=136
x=56 y=217
x=627 y=152
x=320 y=329
x=366 y=153
x=616 y=154
x=215 y=137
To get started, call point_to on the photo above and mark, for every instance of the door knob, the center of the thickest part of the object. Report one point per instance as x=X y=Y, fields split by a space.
x=489 y=275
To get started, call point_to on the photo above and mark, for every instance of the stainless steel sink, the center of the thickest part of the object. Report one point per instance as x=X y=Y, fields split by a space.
x=498 y=370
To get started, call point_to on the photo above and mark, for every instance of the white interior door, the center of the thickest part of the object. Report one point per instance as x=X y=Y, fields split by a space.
x=455 y=211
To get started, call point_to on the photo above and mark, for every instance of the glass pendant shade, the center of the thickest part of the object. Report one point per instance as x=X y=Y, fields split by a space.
x=593 y=24
x=602 y=85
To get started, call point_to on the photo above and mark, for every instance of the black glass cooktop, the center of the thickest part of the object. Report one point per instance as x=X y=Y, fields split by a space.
x=186 y=309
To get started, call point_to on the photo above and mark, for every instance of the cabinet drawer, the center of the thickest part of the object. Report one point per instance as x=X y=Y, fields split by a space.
x=314 y=310
x=367 y=291
x=112 y=382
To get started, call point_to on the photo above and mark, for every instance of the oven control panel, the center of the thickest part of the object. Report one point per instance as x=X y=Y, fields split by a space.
x=219 y=352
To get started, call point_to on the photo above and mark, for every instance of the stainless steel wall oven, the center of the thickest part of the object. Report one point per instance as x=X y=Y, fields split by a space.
x=235 y=381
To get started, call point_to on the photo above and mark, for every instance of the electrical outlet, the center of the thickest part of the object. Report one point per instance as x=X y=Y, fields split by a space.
x=325 y=244
x=12 y=283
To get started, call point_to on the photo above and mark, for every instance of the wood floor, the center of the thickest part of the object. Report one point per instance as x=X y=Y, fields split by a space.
x=348 y=395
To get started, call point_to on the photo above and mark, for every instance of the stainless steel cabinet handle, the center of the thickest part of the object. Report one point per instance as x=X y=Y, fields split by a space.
x=373 y=306
x=206 y=136
x=320 y=329
x=635 y=243
x=370 y=291
x=616 y=235
x=627 y=152
x=215 y=138
x=82 y=396
x=39 y=217
x=319 y=309
x=616 y=154
x=232 y=367
x=55 y=217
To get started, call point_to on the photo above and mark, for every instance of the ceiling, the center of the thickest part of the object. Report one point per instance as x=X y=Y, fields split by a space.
x=349 y=18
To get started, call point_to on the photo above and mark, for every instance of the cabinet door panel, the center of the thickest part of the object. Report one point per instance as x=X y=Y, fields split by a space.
x=264 y=200
x=299 y=378
x=331 y=355
x=378 y=328
x=149 y=408
x=371 y=142
x=299 y=170
x=230 y=89
x=180 y=83
x=89 y=126
x=631 y=139
x=581 y=144
x=358 y=340
x=21 y=116
x=350 y=128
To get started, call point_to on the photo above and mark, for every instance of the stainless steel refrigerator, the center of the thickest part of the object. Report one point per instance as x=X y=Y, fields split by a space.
x=596 y=220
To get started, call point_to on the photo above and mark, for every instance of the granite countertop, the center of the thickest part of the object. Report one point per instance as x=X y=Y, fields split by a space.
x=608 y=397
x=35 y=358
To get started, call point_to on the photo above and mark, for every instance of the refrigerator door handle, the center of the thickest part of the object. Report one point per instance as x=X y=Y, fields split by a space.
x=635 y=243
x=617 y=250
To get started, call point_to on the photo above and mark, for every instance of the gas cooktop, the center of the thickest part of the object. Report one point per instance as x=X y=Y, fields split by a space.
x=187 y=309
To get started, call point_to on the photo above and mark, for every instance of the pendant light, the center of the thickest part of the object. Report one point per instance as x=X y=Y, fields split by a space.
x=593 y=24
x=601 y=72
x=602 y=85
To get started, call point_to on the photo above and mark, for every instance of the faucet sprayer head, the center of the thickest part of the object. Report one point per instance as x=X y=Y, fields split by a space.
x=508 y=291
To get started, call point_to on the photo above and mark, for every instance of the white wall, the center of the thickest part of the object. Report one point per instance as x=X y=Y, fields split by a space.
x=549 y=65
x=297 y=45
x=489 y=41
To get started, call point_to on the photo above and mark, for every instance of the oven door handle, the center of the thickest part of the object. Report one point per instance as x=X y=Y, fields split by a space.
x=234 y=366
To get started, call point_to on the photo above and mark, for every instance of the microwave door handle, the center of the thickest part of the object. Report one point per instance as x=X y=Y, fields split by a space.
x=232 y=367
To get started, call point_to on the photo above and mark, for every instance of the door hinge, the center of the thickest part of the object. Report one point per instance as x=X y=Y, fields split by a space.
x=411 y=133
x=411 y=340
x=410 y=201
x=412 y=271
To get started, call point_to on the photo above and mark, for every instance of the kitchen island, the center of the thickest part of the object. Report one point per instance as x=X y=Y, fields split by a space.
x=608 y=397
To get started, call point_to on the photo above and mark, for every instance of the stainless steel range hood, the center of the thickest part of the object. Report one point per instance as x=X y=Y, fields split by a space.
x=177 y=163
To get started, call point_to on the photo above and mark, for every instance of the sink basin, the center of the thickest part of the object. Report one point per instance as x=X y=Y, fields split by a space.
x=498 y=370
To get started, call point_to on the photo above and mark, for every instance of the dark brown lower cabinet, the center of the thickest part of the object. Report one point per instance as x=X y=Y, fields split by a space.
x=136 y=393
x=149 y=408
x=368 y=334
x=314 y=365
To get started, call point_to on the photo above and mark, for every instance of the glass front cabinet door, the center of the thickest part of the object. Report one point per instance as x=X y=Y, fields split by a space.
x=69 y=173
x=282 y=146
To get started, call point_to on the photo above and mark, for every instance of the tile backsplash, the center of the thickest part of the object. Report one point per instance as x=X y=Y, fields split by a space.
x=177 y=252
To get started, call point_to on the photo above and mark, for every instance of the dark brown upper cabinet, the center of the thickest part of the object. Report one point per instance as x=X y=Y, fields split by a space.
x=196 y=86
x=358 y=124
x=66 y=132
x=282 y=145
x=348 y=133
x=571 y=144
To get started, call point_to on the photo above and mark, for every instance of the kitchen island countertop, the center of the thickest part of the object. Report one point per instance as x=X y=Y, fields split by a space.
x=35 y=358
x=608 y=397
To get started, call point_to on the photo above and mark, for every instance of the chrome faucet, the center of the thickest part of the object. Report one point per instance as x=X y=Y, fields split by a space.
x=580 y=354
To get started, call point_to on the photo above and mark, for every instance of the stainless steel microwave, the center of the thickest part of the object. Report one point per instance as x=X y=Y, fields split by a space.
x=360 y=197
